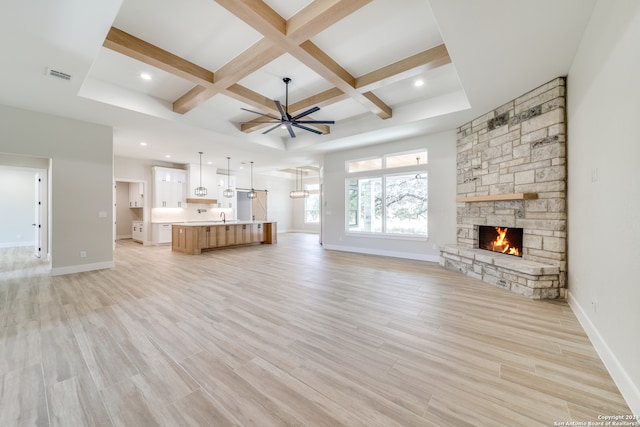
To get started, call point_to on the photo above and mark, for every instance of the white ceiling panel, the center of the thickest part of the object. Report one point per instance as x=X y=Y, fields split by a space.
x=381 y=33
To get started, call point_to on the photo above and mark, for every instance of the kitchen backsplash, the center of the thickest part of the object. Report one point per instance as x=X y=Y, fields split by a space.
x=190 y=213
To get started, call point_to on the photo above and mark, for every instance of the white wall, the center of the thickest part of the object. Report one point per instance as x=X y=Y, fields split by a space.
x=442 y=193
x=81 y=181
x=17 y=206
x=604 y=189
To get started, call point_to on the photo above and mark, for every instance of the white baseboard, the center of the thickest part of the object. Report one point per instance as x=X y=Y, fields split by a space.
x=58 y=271
x=15 y=244
x=628 y=389
x=393 y=254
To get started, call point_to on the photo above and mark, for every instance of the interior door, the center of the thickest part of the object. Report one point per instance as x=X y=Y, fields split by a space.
x=37 y=226
x=259 y=206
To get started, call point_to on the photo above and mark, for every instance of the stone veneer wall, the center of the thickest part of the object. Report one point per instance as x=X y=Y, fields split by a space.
x=519 y=147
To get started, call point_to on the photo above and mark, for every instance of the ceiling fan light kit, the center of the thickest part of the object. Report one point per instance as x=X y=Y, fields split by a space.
x=286 y=120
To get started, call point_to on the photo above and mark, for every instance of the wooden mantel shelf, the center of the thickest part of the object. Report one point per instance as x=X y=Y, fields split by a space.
x=498 y=197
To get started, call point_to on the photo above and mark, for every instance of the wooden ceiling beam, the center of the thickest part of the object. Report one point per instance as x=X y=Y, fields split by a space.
x=141 y=50
x=411 y=66
x=252 y=127
x=252 y=59
x=319 y=16
x=259 y=15
x=322 y=99
x=312 y=56
x=252 y=98
x=194 y=97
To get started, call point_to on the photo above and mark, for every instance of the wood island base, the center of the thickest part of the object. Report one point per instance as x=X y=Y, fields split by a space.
x=194 y=238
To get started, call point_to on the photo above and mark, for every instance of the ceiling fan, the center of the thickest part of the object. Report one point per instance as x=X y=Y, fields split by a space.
x=286 y=120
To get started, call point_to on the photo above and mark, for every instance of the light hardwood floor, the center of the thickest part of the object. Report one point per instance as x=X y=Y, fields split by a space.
x=288 y=334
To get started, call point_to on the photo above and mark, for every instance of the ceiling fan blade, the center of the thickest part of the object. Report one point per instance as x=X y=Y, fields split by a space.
x=270 y=129
x=290 y=129
x=282 y=112
x=262 y=114
x=258 y=122
x=306 y=128
x=306 y=113
x=318 y=122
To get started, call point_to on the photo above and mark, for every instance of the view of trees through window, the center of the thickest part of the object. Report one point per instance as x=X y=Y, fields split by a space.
x=393 y=203
x=312 y=204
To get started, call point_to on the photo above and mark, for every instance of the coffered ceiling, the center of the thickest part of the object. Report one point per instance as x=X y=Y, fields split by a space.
x=358 y=60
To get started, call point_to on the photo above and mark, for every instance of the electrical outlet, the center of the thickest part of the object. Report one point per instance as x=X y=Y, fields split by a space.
x=594 y=305
x=83 y=254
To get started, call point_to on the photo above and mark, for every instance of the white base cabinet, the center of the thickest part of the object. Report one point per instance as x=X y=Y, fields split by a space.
x=137 y=231
x=162 y=233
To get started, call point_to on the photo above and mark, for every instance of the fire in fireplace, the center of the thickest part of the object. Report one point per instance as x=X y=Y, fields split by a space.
x=500 y=239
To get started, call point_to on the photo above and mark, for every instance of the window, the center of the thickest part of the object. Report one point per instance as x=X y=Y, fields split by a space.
x=365 y=205
x=392 y=200
x=312 y=204
x=364 y=165
x=406 y=204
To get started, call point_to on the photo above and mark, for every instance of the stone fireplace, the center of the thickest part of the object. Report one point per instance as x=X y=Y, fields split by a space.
x=511 y=173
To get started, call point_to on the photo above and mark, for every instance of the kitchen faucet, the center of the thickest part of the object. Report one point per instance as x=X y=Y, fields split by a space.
x=224 y=217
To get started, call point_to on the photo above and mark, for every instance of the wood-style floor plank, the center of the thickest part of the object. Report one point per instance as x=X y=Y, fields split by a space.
x=286 y=334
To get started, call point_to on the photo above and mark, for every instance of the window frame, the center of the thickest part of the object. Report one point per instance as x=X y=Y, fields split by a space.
x=383 y=173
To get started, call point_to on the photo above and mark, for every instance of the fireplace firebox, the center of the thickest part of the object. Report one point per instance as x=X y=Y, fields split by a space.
x=506 y=240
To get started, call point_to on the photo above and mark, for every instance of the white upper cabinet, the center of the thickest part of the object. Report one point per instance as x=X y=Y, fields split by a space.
x=209 y=181
x=136 y=195
x=170 y=188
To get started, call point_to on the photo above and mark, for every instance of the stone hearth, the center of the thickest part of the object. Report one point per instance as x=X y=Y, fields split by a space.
x=511 y=172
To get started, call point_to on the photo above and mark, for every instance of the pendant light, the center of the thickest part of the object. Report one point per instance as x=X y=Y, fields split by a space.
x=252 y=194
x=200 y=191
x=229 y=191
x=298 y=193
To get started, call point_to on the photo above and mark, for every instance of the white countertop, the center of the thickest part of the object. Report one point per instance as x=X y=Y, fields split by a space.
x=210 y=223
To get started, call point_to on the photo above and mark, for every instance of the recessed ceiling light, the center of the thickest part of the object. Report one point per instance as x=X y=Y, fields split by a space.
x=167 y=156
x=418 y=83
x=145 y=76
x=209 y=163
x=144 y=144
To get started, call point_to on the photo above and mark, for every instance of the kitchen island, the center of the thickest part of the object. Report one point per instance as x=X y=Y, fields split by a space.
x=194 y=237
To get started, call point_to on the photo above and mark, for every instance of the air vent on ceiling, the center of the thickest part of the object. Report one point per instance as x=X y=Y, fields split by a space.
x=58 y=74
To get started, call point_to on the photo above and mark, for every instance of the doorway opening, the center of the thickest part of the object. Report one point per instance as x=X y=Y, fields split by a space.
x=25 y=216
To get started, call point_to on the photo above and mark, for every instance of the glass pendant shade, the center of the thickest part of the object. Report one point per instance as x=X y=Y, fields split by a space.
x=200 y=191
x=298 y=193
x=229 y=191
x=252 y=194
